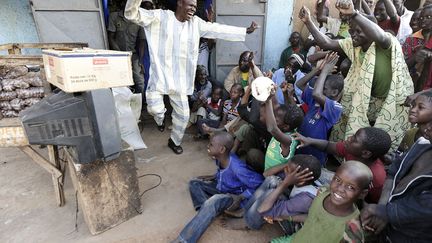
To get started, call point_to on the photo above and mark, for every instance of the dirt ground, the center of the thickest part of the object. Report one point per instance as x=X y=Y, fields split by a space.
x=28 y=212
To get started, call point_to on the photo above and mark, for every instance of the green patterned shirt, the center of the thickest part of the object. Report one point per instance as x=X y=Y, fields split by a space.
x=274 y=157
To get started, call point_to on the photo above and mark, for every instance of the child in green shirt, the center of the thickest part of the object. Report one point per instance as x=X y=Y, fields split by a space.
x=334 y=208
x=280 y=124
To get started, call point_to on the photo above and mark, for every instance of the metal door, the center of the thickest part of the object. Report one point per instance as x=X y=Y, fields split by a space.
x=239 y=13
x=70 y=21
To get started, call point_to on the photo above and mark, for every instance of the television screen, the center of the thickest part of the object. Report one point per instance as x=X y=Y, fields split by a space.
x=84 y=121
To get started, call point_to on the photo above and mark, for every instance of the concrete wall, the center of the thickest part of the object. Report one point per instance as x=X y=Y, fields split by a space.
x=299 y=25
x=16 y=23
x=278 y=29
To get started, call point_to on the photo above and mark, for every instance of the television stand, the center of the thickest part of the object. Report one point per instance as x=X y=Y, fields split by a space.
x=108 y=191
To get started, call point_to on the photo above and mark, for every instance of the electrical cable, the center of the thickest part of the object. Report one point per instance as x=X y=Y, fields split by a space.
x=153 y=187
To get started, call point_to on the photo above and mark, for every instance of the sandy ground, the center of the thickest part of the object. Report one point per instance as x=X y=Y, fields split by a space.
x=28 y=212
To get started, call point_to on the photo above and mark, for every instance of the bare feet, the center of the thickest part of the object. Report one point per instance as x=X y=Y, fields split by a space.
x=208 y=130
x=234 y=224
x=236 y=214
x=237 y=199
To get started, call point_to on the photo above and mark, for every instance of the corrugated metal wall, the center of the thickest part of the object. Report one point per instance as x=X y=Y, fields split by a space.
x=17 y=23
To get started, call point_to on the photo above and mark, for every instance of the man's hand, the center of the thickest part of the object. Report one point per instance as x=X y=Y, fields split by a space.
x=304 y=141
x=295 y=176
x=345 y=7
x=252 y=27
x=304 y=14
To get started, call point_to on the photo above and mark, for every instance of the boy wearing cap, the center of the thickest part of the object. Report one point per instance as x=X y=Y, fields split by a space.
x=291 y=74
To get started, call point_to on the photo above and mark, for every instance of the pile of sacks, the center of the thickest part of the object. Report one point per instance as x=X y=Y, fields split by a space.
x=20 y=87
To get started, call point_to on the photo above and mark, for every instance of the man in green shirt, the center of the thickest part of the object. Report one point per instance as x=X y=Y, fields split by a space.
x=378 y=81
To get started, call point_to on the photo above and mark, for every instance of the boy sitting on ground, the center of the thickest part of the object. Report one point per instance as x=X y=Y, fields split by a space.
x=208 y=110
x=322 y=100
x=300 y=174
x=232 y=184
x=334 y=207
x=281 y=123
x=230 y=113
x=368 y=145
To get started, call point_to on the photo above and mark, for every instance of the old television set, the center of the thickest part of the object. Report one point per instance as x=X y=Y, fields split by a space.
x=85 y=122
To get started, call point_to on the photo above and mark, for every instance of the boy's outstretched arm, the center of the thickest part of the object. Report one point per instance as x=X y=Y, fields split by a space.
x=322 y=40
x=386 y=191
x=321 y=144
x=245 y=98
x=329 y=63
x=272 y=127
x=303 y=82
x=371 y=30
x=274 y=170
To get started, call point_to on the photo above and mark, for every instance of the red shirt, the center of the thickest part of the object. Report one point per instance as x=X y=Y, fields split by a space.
x=378 y=171
x=428 y=83
x=389 y=25
x=412 y=43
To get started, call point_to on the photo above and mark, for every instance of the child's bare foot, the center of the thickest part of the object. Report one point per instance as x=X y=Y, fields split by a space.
x=235 y=205
x=234 y=224
x=207 y=129
x=236 y=214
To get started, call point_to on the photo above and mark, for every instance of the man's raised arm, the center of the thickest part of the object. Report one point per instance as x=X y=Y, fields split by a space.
x=322 y=40
x=139 y=16
x=372 y=31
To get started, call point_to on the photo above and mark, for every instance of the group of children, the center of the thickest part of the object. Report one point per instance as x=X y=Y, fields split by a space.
x=271 y=157
x=288 y=190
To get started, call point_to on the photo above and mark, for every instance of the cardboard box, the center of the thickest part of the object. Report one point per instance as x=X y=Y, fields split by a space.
x=87 y=69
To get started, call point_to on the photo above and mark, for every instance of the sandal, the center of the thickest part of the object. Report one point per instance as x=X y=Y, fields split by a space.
x=176 y=149
x=161 y=128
